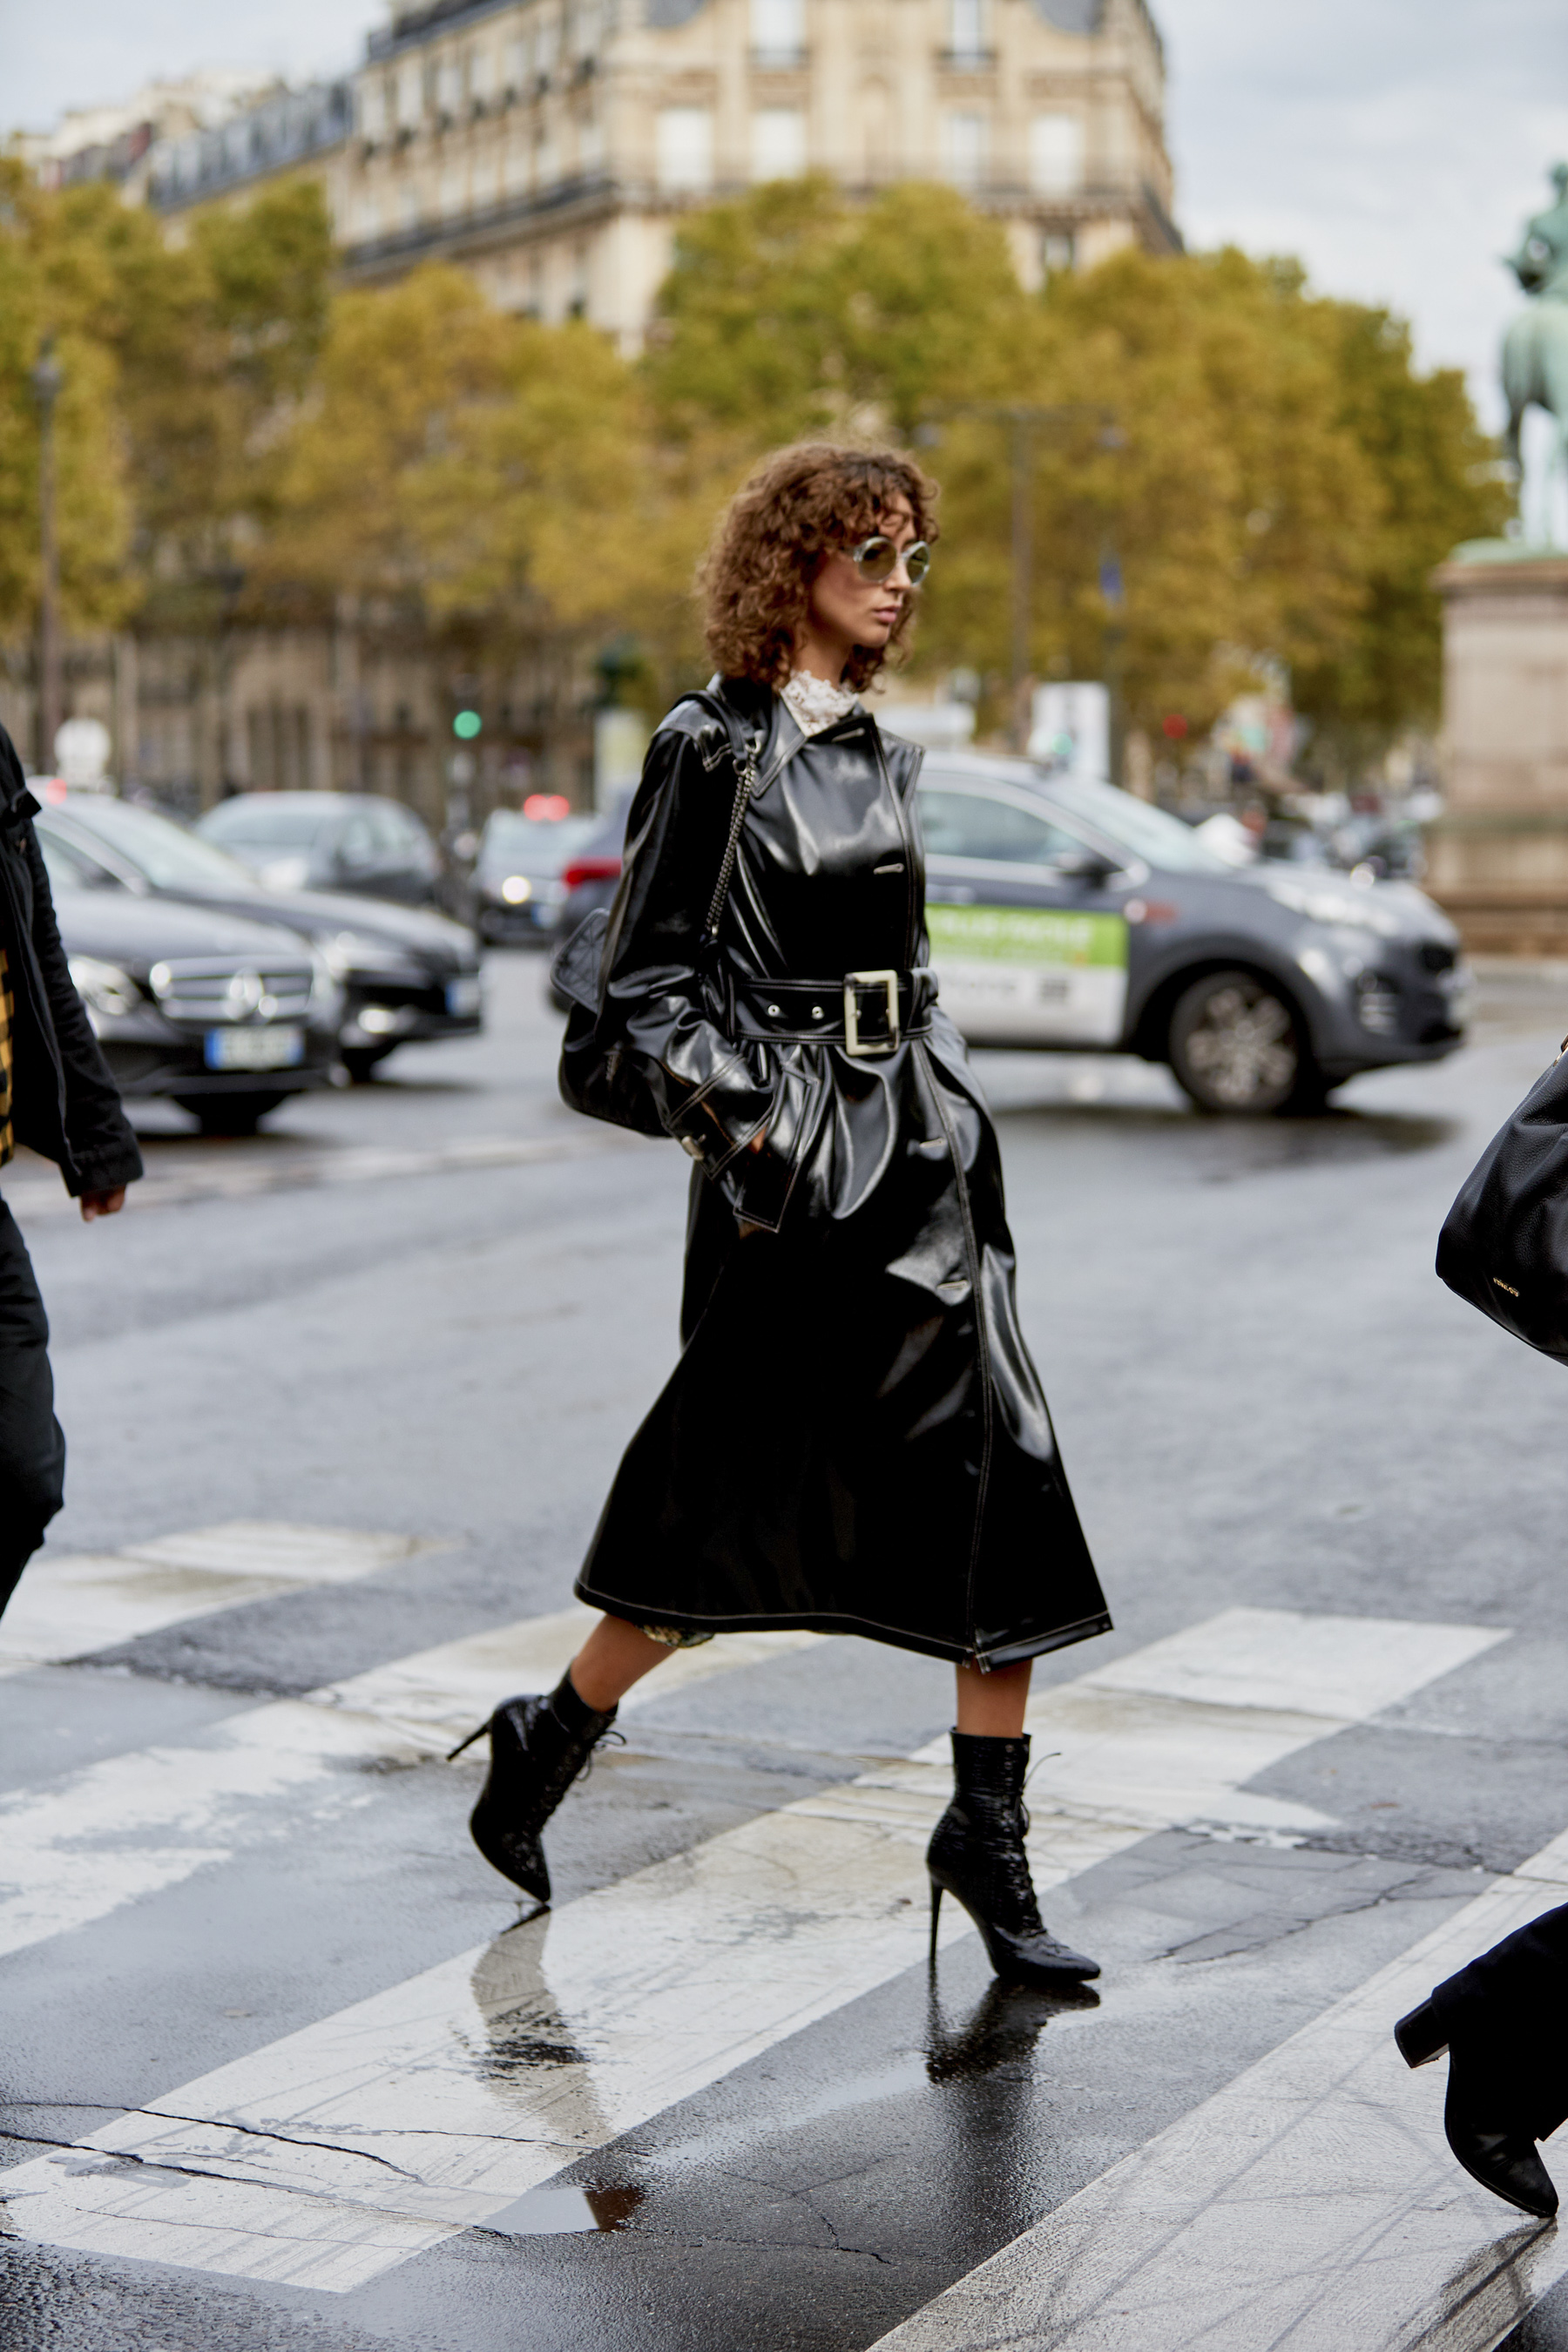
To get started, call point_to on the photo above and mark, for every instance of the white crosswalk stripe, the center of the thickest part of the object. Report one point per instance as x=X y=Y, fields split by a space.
x=71 y=1604
x=332 y=2156
x=73 y=1850
x=1312 y=2204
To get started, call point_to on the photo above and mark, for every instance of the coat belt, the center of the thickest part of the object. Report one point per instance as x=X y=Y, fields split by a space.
x=867 y=1013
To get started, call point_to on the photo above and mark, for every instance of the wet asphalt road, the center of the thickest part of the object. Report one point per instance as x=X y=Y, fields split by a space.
x=437 y=1306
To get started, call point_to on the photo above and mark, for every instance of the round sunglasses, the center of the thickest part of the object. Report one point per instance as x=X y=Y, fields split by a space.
x=877 y=558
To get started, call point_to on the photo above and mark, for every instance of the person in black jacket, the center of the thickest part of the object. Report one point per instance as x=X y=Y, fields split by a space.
x=56 y=1096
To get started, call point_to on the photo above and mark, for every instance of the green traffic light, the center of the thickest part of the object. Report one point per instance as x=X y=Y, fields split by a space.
x=467 y=725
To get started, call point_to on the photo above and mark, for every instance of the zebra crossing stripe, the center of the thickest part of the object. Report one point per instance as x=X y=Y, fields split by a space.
x=70 y=1605
x=77 y=1848
x=1312 y=2203
x=333 y=2155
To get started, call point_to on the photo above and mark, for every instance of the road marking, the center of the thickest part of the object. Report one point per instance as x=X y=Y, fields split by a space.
x=338 y=2152
x=1312 y=2204
x=232 y=1179
x=70 y=1605
x=78 y=1847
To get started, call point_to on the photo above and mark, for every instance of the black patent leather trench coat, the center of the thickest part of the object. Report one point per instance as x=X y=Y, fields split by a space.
x=854 y=1439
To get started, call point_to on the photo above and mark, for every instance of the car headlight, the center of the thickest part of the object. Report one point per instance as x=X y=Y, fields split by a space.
x=104 y=987
x=347 y=953
x=517 y=889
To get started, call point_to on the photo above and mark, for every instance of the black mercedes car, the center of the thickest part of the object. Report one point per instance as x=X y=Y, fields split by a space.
x=221 y=1014
x=403 y=971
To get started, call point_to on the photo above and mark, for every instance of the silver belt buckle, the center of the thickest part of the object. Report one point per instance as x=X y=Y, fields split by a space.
x=888 y=983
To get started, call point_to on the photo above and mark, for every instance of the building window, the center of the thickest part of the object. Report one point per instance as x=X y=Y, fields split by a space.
x=372 y=109
x=778 y=143
x=967 y=28
x=1057 y=251
x=778 y=32
x=684 y=147
x=452 y=192
x=448 y=86
x=966 y=149
x=409 y=203
x=1055 y=154
x=481 y=75
x=410 y=95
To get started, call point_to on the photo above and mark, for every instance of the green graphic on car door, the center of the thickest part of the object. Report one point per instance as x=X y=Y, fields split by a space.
x=1044 y=975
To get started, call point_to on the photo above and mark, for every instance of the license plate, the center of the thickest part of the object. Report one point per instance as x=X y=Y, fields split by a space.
x=255 y=1049
x=463 y=995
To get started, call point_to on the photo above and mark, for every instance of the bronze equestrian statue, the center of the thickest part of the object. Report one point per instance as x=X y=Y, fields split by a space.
x=1535 y=348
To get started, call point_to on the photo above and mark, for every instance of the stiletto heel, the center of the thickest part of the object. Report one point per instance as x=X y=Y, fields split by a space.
x=478 y=1733
x=935 y=1915
x=1421 y=2036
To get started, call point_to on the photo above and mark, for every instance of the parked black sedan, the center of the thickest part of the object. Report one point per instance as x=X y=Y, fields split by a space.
x=221 y=1014
x=354 y=842
x=1064 y=913
x=403 y=971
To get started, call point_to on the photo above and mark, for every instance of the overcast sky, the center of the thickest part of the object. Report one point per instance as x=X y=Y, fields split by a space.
x=1395 y=145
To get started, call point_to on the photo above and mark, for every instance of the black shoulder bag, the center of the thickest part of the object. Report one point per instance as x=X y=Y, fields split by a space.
x=1504 y=1243
x=597 y=1076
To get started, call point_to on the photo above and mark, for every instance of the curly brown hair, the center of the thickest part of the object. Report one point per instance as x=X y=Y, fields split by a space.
x=802 y=504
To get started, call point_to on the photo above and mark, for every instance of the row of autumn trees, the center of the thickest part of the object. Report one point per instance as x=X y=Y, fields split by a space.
x=234 y=435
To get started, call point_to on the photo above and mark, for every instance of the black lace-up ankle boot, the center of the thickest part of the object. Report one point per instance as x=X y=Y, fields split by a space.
x=538 y=1744
x=977 y=1855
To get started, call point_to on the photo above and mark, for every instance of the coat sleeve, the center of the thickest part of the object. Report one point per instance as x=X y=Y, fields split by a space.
x=710 y=1096
x=102 y=1144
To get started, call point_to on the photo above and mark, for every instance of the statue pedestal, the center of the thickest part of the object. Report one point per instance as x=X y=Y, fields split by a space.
x=1498 y=857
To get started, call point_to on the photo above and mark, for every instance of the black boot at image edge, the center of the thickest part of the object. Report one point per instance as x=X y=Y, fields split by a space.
x=976 y=1854
x=1505 y=2162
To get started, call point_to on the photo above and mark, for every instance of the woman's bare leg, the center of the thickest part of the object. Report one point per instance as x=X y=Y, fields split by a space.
x=614 y=1656
x=989 y=1707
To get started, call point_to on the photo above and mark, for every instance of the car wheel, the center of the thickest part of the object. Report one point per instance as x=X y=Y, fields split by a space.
x=229 y=1114
x=1235 y=1046
x=360 y=1061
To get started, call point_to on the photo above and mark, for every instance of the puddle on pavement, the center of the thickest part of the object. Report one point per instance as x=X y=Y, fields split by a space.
x=561 y=2213
x=1000 y=2031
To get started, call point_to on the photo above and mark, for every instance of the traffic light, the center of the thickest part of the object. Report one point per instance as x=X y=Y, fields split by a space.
x=467 y=725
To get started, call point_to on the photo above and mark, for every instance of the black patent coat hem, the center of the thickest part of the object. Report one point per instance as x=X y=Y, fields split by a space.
x=1008 y=1653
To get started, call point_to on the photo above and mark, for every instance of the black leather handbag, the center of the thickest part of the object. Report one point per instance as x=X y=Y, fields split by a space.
x=597 y=1076
x=1504 y=1242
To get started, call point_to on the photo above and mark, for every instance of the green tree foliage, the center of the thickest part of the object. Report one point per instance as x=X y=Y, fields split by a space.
x=1281 y=482
x=181 y=365
x=488 y=468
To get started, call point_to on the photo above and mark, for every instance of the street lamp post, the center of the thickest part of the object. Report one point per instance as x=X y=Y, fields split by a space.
x=47 y=379
x=1024 y=419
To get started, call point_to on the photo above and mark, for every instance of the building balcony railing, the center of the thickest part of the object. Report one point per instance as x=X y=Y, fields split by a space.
x=967 y=61
x=592 y=190
x=780 y=60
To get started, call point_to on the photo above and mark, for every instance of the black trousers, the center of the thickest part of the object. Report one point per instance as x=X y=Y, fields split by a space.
x=1510 y=2005
x=32 y=1443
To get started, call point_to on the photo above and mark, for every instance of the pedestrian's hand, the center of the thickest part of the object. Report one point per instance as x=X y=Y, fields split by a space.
x=103 y=1205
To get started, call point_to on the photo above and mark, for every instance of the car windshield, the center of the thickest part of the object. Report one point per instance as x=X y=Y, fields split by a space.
x=170 y=857
x=256 y=820
x=1150 y=833
x=536 y=845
